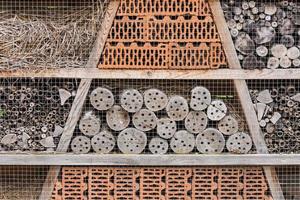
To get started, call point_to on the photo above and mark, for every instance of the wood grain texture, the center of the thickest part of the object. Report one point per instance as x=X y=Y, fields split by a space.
x=150 y=160
x=80 y=97
x=243 y=93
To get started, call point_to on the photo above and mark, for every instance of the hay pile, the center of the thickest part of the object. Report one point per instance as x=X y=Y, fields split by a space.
x=52 y=39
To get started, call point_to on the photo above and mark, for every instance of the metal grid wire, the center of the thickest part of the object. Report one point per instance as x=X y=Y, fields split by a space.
x=220 y=89
x=277 y=107
x=33 y=112
x=265 y=33
x=48 y=33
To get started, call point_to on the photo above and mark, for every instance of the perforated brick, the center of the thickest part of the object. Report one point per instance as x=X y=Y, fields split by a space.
x=125 y=29
x=182 y=30
x=99 y=183
x=204 y=9
x=125 y=183
x=204 y=184
x=255 y=185
x=152 y=183
x=73 y=183
x=229 y=183
x=217 y=55
x=56 y=193
x=134 y=56
x=158 y=7
x=178 y=183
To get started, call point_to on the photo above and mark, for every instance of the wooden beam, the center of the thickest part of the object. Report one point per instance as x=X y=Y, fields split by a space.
x=243 y=93
x=216 y=74
x=150 y=160
x=80 y=97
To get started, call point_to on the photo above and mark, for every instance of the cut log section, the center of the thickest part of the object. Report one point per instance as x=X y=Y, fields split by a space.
x=216 y=110
x=200 y=99
x=104 y=142
x=210 y=141
x=158 y=145
x=81 y=145
x=102 y=98
x=273 y=63
x=196 y=122
x=131 y=100
x=144 y=120
x=166 y=128
x=183 y=142
x=228 y=125
x=279 y=50
x=155 y=99
x=89 y=125
x=117 y=118
x=239 y=143
x=177 y=108
x=132 y=141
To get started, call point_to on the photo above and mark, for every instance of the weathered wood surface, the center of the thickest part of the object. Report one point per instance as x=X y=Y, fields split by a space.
x=80 y=97
x=245 y=99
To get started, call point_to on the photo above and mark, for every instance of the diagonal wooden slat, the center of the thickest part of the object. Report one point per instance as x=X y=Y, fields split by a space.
x=80 y=97
x=242 y=90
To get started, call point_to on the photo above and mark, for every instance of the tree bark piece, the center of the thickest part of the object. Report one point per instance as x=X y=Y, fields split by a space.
x=117 y=118
x=144 y=120
x=183 y=142
x=64 y=96
x=177 y=108
x=89 y=125
x=216 y=110
x=131 y=100
x=210 y=141
x=155 y=99
x=132 y=141
x=228 y=125
x=102 y=98
x=239 y=143
x=166 y=128
x=104 y=142
x=81 y=145
x=196 y=122
x=264 y=97
x=200 y=98
x=158 y=145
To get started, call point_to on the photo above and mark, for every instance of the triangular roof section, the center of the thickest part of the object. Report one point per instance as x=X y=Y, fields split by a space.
x=163 y=34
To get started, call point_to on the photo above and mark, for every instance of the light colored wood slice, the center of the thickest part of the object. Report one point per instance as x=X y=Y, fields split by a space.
x=64 y=96
x=155 y=99
x=260 y=108
x=89 y=124
x=58 y=130
x=270 y=9
x=104 y=142
x=177 y=108
x=264 y=97
x=293 y=53
x=287 y=40
x=262 y=51
x=196 y=122
x=200 y=98
x=276 y=116
x=144 y=120
x=9 y=139
x=296 y=62
x=102 y=98
x=228 y=125
x=48 y=142
x=239 y=143
x=81 y=145
x=132 y=141
x=278 y=50
x=183 y=142
x=270 y=128
x=273 y=63
x=296 y=97
x=216 y=110
x=166 y=128
x=117 y=118
x=131 y=100
x=285 y=62
x=210 y=141
x=158 y=145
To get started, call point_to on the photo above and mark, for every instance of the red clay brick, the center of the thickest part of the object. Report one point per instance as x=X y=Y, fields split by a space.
x=99 y=183
x=56 y=191
x=204 y=9
x=255 y=185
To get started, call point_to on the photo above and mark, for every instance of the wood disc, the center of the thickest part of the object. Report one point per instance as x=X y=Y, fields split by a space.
x=90 y=125
x=210 y=141
x=81 y=145
x=144 y=120
x=104 y=142
x=177 y=108
x=216 y=110
x=158 y=145
x=200 y=99
x=155 y=99
x=166 y=128
x=196 y=121
x=102 y=98
x=117 y=118
x=131 y=100
x=132 y=141
x=228 y=125
x=182 y=142
x=239 y=143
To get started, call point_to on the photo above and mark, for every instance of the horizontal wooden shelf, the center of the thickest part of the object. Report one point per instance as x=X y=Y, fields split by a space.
x=151 y=160
x=92 y=73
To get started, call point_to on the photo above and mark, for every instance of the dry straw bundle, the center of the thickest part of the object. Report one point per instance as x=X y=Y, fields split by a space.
x=48 y=36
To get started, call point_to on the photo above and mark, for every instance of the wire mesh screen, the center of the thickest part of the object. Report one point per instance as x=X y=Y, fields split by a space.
x=265 y=33
x=289 y=177
x=48 y=34
x=161 y=116
x=33 y=112
x=277 y=107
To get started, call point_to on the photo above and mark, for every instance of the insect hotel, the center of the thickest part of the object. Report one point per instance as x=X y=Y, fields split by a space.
x=149 y=99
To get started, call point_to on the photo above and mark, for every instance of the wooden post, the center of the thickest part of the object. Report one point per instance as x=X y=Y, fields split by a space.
x=80 y=97
x=242 y=90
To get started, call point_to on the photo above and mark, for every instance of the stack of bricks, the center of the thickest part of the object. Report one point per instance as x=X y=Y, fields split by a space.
x=163 y=34
x=113 y=183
